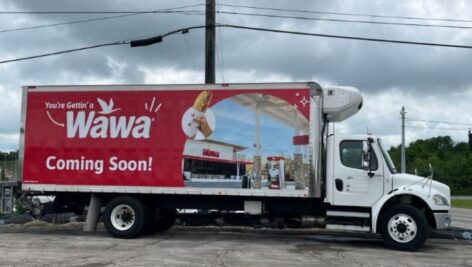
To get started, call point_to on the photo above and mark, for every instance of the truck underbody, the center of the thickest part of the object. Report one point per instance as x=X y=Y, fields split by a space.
x=236 y=210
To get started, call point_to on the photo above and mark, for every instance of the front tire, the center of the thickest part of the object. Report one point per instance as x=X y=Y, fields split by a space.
x=125 y=217
x=404 y=227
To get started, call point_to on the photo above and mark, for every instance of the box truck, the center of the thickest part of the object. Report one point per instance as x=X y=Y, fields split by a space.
x=262 y=149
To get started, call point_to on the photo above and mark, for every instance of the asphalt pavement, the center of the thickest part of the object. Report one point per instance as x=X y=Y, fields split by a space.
x=44 y=244
x=41 y=244
x=461 y=218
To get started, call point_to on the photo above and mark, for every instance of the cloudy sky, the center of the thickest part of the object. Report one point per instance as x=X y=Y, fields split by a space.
x=433 y=83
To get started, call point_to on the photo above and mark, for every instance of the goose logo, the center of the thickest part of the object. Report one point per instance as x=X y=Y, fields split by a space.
x=106 y=124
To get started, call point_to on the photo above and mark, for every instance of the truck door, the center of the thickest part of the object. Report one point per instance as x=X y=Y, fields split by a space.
x=352 y=184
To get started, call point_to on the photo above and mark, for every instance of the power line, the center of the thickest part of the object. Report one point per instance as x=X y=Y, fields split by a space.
x=68 y=12
x=196 y=12
x=444 y=122
x=219 y=47
x=219 y=55
x=238 y=6
x=65 y=23
x=155 y=39
x=94 y=19
x=344 y=14
x=218 y=64
x=159 y=38
x=188 y=51
x=63 y=52
x=88 y=12
x=345 y=20
x=164 y=11
x=346 y=37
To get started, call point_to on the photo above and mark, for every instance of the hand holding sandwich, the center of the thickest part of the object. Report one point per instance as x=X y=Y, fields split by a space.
x=204 y=126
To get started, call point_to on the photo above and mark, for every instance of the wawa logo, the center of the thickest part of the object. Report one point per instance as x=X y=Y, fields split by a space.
x=104 y=124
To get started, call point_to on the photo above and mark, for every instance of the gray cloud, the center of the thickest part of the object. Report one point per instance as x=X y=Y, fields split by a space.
x=370 y=66
x=375 y=68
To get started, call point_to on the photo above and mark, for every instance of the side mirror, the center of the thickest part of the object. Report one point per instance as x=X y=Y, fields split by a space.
x=366 y=157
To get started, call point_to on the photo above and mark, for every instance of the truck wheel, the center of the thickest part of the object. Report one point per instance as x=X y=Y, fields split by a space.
x=404 y=227
x=164 y=220
x=125 y=217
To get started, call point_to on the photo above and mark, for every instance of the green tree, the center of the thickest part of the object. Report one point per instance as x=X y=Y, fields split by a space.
x=452 y=162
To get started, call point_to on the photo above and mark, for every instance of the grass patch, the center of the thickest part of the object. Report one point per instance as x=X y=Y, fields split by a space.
x=462 y=203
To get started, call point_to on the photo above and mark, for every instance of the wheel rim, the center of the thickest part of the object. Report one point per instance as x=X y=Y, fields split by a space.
x=122 y=217
x=402 y=228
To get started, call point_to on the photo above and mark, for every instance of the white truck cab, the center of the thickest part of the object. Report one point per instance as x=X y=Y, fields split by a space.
x=401 y=204
x=360 y=173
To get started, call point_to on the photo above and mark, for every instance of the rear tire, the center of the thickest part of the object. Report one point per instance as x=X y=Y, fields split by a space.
x=125 y=217
x=404 y=227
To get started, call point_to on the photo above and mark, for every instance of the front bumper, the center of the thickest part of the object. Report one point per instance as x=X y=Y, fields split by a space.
x=443 y=219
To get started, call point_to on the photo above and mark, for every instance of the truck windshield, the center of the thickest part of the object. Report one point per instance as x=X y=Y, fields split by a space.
x=389 y=161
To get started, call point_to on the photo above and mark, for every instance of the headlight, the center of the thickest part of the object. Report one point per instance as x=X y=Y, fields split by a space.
x=440 y=200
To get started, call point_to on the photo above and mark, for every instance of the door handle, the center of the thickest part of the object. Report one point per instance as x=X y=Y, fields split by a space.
x=339 y=184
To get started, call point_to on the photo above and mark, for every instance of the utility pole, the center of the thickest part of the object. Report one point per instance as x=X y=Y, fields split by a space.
x=210 y=42
x=470 y=139
x=403 y=162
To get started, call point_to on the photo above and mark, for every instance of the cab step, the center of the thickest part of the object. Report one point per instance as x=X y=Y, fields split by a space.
x=350 y=214
x=348 y=228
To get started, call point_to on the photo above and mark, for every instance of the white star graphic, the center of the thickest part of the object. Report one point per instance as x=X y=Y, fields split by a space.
x=304 y=101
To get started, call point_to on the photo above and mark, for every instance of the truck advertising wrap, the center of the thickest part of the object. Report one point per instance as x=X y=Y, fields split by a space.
x=265 y=150
x=137 y=137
